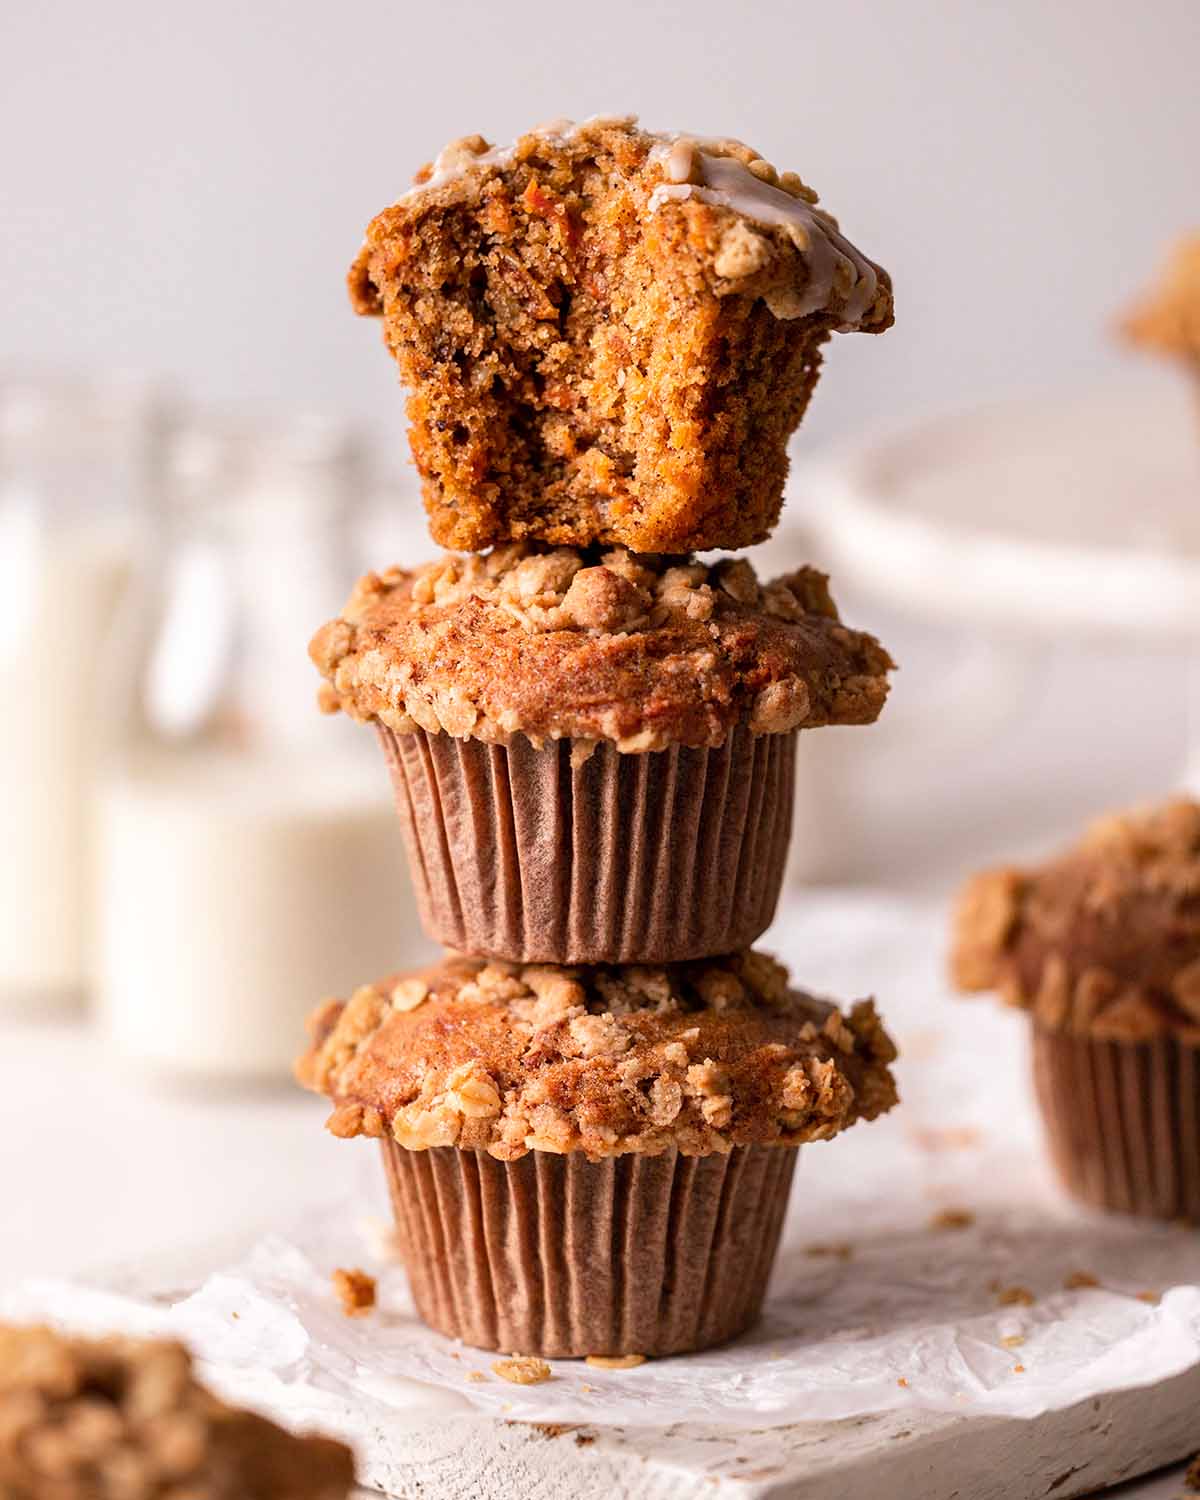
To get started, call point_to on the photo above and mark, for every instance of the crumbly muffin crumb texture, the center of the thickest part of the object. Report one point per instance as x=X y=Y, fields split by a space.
x=605 y=1060
x=116 y=1419
x=1102 y=941
x=591 y=644
x=608 y=335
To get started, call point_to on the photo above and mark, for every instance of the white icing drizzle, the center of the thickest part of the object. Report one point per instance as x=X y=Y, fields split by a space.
x=728 y=183
x=455 y=160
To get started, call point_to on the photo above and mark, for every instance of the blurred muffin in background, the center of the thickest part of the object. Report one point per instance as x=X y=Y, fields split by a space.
x=1167 y=319
x=1101 y=944
x=109 y=1419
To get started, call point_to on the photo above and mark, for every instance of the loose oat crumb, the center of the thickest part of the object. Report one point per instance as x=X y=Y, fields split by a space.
x=833 y=1251
x=1015 y=1296
x=476 y=1377
x=615 y=1361
x=355 y=1291
x=952 y=1218
x=1013 y=1340
x=1018 y=1369
x=1153 y=1298
x=523 y=1369
x=1078 y=1280
x=902 y=1382
x=955 y=1138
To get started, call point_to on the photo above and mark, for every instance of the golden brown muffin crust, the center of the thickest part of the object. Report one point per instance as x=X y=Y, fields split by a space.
x=1101 y=941
x=107 y=1419
x=604 y=338
x=644 y=652
x=606 y=1060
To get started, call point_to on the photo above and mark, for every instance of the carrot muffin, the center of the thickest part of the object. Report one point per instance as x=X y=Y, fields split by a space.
x=1102 y=946
x=1167 y=321
x=113 y=1419
x=609 y=335
x=593 y=1160
x=592 y=752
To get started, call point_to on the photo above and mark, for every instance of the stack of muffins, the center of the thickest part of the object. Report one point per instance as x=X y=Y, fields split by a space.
x=589 y=1112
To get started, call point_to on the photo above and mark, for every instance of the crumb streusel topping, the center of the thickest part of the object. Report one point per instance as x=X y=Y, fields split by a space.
x=119 y=1419
x=563 y=643
x=1102 y=941
x=606 y=1060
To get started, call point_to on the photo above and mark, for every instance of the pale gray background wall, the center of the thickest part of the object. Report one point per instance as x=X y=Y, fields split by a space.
x=184 y=185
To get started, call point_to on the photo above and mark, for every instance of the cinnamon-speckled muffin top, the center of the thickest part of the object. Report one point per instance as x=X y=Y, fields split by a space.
x=605 y=1060
x=1168 y=318
x=643 y=652
x=116 y=1418
x=1103 y=940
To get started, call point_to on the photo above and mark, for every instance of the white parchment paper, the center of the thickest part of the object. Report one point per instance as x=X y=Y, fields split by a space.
x=875 y=1304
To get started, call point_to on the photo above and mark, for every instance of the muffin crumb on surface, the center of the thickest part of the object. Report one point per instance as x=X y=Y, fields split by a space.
x=523 y=1369
x=355 y=1290
x=1079 y=1281
x=608 y=335
x=953 y=1219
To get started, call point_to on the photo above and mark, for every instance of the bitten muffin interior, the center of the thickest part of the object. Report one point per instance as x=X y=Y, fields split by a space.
x=599 y=343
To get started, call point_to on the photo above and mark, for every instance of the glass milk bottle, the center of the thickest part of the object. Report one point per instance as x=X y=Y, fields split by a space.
x=251 y=863
x=77 y=460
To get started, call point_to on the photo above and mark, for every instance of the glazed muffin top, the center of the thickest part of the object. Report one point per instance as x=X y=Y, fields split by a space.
x=643 y=652
x=1103 y=940
x=1168 y=319
x=107 y=1419
x=608 y=334
x=605 y=1060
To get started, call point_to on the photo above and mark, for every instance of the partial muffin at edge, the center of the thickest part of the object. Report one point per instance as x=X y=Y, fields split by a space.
x=104 y=1419
x=1101 y=945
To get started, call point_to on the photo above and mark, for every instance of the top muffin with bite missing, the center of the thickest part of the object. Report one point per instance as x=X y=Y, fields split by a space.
x=609 y=335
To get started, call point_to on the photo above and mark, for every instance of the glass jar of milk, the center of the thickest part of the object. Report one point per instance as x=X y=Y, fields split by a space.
x=78 y=462
x=250 y=861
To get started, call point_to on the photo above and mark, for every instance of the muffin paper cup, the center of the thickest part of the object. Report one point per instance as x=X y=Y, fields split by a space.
x=558 y=1256
x=652 y=858
x=1123 y=1121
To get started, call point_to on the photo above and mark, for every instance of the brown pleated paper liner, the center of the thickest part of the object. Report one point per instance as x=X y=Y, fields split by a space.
x=558 y=1256
x=654 y=858
x=1123 y=1121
